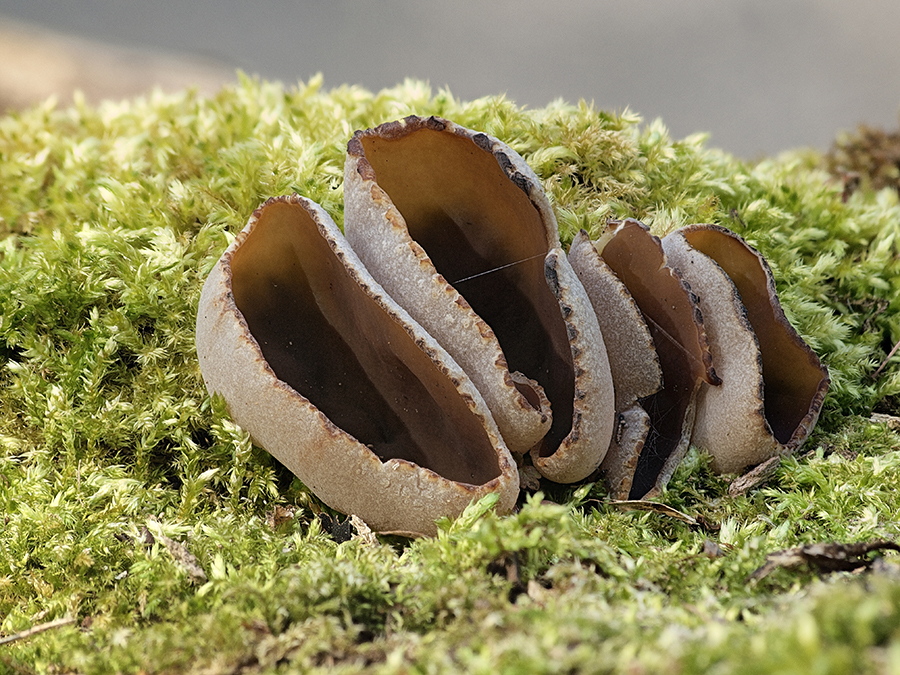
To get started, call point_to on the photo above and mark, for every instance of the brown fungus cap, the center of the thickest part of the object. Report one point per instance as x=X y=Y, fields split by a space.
x=673 y=317
x=454 y=224
x=331 y=376
x=773 y=383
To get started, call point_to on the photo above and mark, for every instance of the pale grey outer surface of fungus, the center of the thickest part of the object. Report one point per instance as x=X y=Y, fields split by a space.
x=632 y=361
x=730 y=421
x=593 y=418
x=395 y=495
x=378 y=232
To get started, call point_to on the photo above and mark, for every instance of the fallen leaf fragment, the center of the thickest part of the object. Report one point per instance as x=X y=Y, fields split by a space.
x=892 y=422
x=825 y=557
x=653 y=507
x=363 y=532
x=186 y=560
x=280 y=515
x=529 y=477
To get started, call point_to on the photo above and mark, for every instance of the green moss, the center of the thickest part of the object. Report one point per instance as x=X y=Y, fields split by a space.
x=111 y=217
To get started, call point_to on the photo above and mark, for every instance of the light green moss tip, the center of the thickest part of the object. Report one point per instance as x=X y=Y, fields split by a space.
x=112 y=215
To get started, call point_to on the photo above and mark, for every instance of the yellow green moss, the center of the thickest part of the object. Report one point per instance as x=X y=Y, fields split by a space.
x=112 y=215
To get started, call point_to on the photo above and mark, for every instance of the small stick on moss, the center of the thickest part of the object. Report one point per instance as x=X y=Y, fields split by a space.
x=754 y=478
x=34 y=630
x=884 y=363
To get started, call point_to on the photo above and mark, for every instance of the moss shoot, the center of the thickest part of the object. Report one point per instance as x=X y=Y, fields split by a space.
x=131 y=505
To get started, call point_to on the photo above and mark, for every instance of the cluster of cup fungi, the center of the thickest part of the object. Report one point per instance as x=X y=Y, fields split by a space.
x=445 y=346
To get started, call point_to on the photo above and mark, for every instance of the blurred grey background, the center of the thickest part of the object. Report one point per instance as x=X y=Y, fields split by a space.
x=759 y=75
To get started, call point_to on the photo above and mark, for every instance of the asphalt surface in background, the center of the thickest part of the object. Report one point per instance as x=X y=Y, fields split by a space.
x=760 y=75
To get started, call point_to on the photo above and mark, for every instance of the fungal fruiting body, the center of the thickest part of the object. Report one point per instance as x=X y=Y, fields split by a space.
x=633 y=362
x=672 y=318
x=725 y=372
x=454 y=224
x=339 y=383
x=424 y=360
x=773 y=384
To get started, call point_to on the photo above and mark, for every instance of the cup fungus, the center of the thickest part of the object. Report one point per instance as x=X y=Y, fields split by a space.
x=673 y=318
x=773 y=384
x=393 y=377
x=338 y=382
x=632 y=361
x=455 y=226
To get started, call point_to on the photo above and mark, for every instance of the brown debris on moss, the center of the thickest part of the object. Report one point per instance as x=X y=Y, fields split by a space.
x=868 y=157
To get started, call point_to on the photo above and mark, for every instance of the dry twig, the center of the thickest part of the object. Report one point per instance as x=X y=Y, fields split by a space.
x=34 y=630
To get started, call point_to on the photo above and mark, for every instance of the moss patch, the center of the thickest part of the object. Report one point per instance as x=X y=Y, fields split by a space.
x=129 y=501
